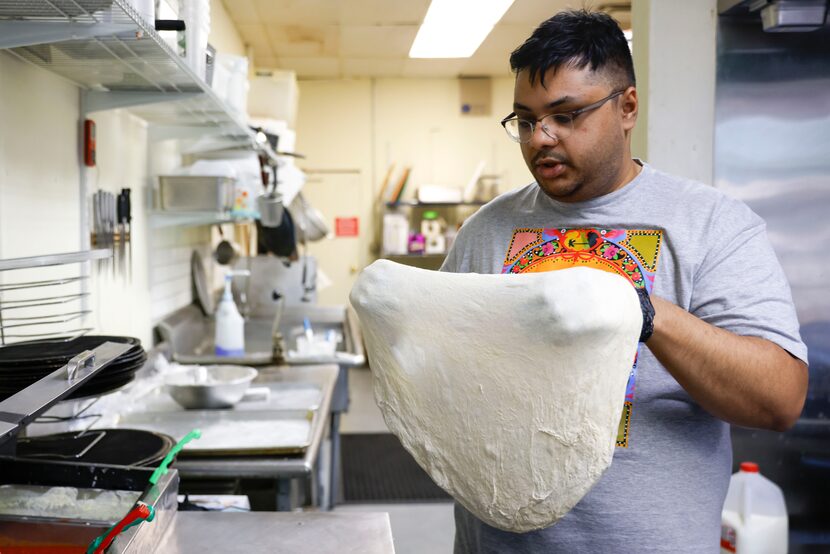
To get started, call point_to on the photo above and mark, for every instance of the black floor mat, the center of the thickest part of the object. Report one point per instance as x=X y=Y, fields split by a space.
x=376 y=468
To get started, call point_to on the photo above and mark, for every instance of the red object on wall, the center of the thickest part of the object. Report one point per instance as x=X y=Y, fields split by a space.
x=89 y=143
x=346 y=226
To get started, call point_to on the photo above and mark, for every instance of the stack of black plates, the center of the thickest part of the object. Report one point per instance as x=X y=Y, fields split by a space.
x=24 y=363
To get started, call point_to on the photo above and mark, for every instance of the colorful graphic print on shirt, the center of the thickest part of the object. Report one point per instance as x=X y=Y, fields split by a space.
x=632 y=253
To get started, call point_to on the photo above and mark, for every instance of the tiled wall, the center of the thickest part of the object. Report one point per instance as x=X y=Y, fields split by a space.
x=169 y=264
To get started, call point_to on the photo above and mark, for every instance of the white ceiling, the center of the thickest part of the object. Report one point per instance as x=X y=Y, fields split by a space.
x=371 y=38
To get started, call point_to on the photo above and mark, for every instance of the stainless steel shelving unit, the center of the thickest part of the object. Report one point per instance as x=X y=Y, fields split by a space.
x=120 y=61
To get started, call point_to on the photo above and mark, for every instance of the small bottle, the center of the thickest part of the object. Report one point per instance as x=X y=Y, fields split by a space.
x=230 y=326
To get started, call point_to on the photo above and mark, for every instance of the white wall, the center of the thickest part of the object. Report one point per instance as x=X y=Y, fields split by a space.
x=39 y=174
x=674 y=54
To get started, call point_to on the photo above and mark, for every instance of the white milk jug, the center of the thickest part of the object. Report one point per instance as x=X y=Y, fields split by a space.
x=754 y=518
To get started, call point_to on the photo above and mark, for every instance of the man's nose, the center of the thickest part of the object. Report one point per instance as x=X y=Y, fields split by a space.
x=540 y=139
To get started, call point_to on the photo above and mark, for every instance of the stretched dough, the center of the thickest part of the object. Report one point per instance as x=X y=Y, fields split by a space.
x=506 y=389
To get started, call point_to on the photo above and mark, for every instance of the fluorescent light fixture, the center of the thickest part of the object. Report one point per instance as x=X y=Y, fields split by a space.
x=456 y=28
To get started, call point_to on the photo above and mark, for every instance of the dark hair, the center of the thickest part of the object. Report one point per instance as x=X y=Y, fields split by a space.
x=577 y=38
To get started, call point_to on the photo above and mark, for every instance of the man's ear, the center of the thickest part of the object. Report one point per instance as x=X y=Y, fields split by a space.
x=630 y=105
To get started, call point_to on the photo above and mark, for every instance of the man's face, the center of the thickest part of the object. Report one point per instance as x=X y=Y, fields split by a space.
x=590 y=162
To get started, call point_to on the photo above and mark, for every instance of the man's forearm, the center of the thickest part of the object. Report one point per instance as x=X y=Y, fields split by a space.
x=747 y=381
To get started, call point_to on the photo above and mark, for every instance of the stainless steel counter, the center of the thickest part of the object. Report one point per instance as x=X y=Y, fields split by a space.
x=287 y=471
x=276 y=467
x=274 y=533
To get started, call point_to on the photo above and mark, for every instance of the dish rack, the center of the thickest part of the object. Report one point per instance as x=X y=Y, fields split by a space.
x=46 y=297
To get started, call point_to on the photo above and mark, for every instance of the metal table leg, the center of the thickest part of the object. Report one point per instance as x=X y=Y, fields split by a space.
x=334 y=479
x=285 y=501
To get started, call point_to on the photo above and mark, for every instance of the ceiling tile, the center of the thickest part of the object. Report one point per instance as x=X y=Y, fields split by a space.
x=266 y=62
x=311 y=67
x=298 y=12
x=354 y=67
x=328 y=38
x=304 y=40
x=256 y=36
x=382 y=12
x=534 y=12
x=503 y=40
x=480 y=65
x=242 y=11
x=421 y=67
x=376 y=42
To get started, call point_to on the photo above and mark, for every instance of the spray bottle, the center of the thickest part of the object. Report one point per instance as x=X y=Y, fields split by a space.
x=230 y=325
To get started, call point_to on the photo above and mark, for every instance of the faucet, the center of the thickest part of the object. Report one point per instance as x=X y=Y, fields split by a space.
x=277 y=340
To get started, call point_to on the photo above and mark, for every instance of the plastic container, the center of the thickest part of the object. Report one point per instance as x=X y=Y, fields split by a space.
x=230 y=326
x=754 y=518
x=395 y=234
x=196 y=14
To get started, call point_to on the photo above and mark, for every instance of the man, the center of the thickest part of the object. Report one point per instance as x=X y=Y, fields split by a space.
x=725 y=346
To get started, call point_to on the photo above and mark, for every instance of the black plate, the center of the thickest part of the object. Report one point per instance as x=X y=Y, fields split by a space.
x=120 y=365
x=55 y=352
x=108 y=379
x=103 y=387
x=55 y=363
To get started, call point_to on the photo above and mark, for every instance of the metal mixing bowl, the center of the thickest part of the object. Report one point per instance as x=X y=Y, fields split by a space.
x=210 y=387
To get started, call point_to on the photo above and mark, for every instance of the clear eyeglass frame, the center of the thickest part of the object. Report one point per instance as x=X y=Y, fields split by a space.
x=557 y=126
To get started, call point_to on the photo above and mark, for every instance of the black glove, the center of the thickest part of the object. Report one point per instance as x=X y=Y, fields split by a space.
x=648 y=315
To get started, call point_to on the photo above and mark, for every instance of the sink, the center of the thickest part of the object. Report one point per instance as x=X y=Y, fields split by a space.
x=191 y=336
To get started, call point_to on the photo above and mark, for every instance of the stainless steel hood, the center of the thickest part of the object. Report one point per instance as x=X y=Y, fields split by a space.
x=780 y=16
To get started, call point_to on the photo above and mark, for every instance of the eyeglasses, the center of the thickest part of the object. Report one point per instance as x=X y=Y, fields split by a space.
x=557 y=126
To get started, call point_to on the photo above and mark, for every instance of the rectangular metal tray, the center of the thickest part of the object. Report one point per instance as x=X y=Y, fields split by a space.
x=282 y=396
x=230 y=432
x=187 y=193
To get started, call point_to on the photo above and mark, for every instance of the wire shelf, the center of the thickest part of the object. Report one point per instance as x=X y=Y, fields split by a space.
x=104 y=46
x=44 y=297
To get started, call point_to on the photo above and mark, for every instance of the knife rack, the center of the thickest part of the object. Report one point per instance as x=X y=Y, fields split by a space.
x=46 y=297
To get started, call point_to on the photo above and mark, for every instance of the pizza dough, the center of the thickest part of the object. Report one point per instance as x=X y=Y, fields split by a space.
x=506 y=389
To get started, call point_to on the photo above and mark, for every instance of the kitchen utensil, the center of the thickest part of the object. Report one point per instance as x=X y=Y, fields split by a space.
x=201 y=291
x=270 y=209
x=196 y=193
x=124 y=215
x=210 y=387
x=140 y=512
x=280 y=241
x=310 y=222
x=226 y=253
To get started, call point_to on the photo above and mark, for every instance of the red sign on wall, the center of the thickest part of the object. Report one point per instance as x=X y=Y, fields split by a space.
x=346 y=226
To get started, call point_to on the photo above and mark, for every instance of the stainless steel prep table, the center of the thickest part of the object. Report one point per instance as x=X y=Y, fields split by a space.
x=285 y=470
x=275 y=533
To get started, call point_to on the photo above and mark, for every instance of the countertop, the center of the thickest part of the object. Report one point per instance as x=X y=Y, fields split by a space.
x=275 y=533
x=324 y=376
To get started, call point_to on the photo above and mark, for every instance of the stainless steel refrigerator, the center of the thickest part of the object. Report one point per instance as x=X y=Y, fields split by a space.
x=772 y=150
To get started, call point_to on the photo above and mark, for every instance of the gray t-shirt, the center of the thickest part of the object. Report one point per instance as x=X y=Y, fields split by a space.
x=687 y=243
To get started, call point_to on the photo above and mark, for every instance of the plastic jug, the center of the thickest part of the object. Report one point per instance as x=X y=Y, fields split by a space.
x=754 y=517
